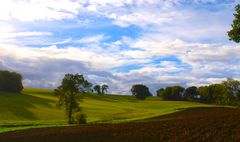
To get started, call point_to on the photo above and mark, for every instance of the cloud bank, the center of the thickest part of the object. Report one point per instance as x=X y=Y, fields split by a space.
x=123 y=42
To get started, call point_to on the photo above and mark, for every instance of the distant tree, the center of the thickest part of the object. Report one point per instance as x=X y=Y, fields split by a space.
x=218 y=94
x=97 y=88
x=88 y=86
x=69 y=93
x=160 y=92
x=203 y=92
x=10 y=81
x=173 y=93
x=223 y=94
x=234 y=33
x=140 y=91
x=238 y=95
x=104 y=88
x=233 y=86
x=190 y=93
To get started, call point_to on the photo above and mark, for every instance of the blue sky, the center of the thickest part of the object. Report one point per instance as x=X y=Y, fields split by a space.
x=119 y=42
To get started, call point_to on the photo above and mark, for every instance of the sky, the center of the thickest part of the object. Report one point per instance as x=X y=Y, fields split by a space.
x=158 y=43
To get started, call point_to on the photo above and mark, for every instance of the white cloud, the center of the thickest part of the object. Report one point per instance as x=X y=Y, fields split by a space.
x=31 y=10
x=191 y=53
x=92 y=39
x=206 y=67
x=151 y=15
x=62 y=42
x=197 y=64
x=8 y=35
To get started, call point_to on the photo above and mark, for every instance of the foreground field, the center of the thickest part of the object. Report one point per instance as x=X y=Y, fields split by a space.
x=37 y=108
x=197 y=125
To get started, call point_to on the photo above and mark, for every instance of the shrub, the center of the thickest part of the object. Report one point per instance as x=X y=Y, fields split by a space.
x=80 y=118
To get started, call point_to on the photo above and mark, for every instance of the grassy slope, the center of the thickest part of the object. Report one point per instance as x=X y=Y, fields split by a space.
x=38 y=106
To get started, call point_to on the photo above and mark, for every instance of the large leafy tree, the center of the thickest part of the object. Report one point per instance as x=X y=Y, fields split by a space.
x=190 y=93
x=104 y=88
x=101 y=89
x=69 y=93
x=173 y=93
x=97 y=88
x=232 y=86
x=160 y=92
x=10 y=81
x=224 y=93
x=218 y=94
x=203 y=92
x=234 y=33
x=140 y=91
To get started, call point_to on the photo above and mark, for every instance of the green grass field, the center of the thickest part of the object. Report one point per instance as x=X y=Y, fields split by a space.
x=35 y=108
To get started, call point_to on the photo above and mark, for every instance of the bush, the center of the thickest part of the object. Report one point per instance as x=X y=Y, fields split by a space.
x=80 y=118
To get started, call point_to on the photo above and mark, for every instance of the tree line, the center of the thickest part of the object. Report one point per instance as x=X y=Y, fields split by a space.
x=224 y=93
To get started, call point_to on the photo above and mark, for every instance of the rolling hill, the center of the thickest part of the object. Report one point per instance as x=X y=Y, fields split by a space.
x=37 y=108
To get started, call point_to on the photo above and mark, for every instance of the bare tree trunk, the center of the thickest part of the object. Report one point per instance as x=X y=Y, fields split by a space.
x=70 y=109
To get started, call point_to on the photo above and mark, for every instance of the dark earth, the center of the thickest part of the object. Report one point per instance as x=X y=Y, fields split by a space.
x=192 y=125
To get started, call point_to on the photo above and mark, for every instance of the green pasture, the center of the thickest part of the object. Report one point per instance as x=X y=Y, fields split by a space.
x=35 y=108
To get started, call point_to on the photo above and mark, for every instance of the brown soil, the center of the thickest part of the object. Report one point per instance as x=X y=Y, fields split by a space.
x=193 y=125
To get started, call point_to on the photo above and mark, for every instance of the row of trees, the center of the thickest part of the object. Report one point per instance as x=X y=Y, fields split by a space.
x=10 y=81
x=225 y=93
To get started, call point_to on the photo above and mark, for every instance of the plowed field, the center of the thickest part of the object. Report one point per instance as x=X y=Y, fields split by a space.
x=192 y=125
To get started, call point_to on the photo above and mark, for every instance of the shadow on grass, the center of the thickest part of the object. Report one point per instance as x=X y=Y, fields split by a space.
x=110 y=98
x=19 y=104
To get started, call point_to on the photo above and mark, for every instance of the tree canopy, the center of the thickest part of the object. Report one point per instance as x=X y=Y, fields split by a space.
x=160 y=92
x=104 y=88
x=140 y=91
x=190 y=93
x=101 y=89
x=225 y=93
x=234 y=33
x=10 y=81
x=97 y=88
x=173 y=93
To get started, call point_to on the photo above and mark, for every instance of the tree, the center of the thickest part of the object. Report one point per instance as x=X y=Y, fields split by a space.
x=238 y=95
x=160 y=92
x=234 y=33
x=88 y=86
x=223 y=94
x=173 y=93
x=218 y=94
x=69 y=93
x=140 y=91
x=203 y=91
x=104 y=88
x=190 y=93
x=97 y=88
x=233 y=86
x=10 y=81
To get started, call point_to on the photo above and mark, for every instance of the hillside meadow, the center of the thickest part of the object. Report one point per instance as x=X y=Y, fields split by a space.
x=36 y=108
